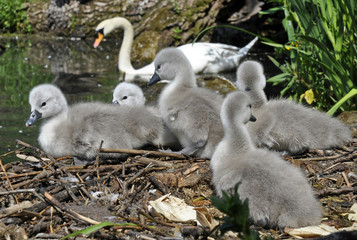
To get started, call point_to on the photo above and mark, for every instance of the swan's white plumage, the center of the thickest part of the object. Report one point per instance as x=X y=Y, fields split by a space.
x=284 y=124
x=278 y=193
x=204 y=57
x=78 y=130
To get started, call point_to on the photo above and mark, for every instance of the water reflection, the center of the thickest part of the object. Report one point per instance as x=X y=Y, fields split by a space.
x=83 y=74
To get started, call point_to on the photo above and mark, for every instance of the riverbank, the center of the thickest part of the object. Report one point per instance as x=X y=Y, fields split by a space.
x=51 y=198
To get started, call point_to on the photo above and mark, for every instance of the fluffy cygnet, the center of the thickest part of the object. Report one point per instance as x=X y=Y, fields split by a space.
x=128 y=94
x=278 y=193
x=190 y=112
x=78 y=130
x=132 y=95
x=284 y=124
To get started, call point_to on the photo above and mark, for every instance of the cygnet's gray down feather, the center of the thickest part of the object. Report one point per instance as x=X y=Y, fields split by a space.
x=132 y=95
x=278 y=193
x=78 y=129
x=190 y=112
x=284 y=124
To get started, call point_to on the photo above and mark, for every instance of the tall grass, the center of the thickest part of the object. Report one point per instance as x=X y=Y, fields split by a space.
x=322 y=53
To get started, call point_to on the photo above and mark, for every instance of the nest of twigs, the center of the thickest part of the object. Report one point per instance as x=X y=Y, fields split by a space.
x=43 y=197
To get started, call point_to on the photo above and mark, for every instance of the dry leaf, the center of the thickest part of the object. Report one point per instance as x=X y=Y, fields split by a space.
x=353 y=216
x=205 y=218
x=173 y=208
x=311 y=231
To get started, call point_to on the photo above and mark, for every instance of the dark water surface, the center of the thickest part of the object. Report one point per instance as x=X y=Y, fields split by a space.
x=82 y=72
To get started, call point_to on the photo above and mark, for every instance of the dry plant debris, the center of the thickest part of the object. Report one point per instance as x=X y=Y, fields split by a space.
x=43 y=197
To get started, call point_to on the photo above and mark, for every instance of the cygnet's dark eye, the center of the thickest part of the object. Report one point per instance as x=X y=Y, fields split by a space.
x=158 y=67
x=43 y=104
x=247 y=89
x=250 y=106
x=125 y=97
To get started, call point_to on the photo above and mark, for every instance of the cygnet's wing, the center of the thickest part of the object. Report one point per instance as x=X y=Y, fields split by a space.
x=192 y=120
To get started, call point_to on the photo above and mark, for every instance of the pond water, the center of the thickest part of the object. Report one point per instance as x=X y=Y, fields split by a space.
x=82 y=72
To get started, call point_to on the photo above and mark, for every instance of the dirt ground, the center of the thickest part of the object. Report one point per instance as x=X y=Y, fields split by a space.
x=52 y=198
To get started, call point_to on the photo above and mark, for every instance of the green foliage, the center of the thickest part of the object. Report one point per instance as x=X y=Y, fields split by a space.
x=96 y=227
x=13 y=16
x=322 y=51
x=237 y=212
x=176 y=35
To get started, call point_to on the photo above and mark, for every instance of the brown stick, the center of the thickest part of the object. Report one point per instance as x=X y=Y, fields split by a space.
x=31 y=190
x=346 y=179
x=97 y=161
x=8 y=180
x=146 y=160
x=143 y=226
x=11 y=152
x=326 y=192
x=143 y=152
x=69 y=211
x=155 y=220
x=53 y=160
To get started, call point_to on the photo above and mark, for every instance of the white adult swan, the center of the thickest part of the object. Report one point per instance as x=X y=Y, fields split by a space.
x=77 y=130
x=204 y=57
x=190 y=112
x=278 y=193
x=284 y=124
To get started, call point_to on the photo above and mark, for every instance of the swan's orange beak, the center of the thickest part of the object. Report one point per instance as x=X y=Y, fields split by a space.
x=98 y=40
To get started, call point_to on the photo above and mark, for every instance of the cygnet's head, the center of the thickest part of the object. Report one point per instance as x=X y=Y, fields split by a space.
x=46 y=100
x=250 y=75
x=107 y=26
x=128 y=94
x=236 y=108
x=168 y=63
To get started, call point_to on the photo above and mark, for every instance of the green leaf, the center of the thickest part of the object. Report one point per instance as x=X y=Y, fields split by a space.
x=279 y=78
x=96 y=227
x=348 y=96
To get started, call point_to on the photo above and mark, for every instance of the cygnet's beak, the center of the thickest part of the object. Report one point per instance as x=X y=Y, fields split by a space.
x=154 y=79
x=33 y=117
x=252 y=118
x=115 y=102
x=99 y=38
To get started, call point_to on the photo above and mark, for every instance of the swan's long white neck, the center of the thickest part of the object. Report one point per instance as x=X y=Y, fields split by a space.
x=124 y=63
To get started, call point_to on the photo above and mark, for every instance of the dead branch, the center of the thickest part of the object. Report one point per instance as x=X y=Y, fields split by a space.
x=69 y=211
x=143 y=152
x=161 y=233
x=147 y=161
x=327 y=192
x=32 y=190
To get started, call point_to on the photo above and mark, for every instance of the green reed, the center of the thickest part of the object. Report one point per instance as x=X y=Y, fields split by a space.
x=322 y=52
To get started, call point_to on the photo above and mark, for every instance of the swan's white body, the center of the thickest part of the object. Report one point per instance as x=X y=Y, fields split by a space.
x=205 y=58
x=277 y=191
x=283 y=124
x=79 y=129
